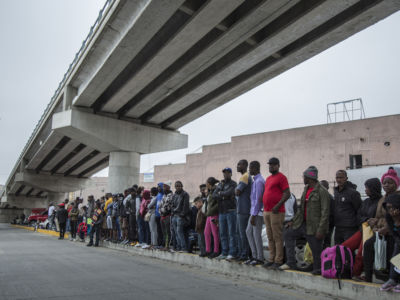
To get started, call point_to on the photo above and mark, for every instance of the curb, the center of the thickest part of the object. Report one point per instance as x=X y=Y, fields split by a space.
x=350 y=289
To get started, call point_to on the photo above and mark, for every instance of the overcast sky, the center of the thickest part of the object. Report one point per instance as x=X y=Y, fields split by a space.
x=41 y=37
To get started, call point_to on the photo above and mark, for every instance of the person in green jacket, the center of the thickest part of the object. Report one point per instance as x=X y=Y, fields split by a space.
x=212 y=219
x=311 y=221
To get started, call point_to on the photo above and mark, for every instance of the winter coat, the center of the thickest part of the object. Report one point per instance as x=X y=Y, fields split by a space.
x=180 y=204
x=62 y=215
x=345 y=205
x=225 y=194
x=212 y=204
x=166 y=205
x=317 y=211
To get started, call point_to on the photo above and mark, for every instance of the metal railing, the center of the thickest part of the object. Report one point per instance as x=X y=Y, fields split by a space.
x=78 y=55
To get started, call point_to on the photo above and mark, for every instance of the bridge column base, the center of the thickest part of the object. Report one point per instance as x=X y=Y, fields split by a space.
x=124 y=168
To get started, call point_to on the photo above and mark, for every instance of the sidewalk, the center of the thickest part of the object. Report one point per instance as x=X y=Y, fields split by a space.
x=350 y=289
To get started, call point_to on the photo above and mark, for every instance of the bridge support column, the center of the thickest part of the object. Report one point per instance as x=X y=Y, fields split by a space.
x=124 y=168
x=55 y=198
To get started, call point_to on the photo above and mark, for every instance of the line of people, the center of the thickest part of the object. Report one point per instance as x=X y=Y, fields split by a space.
x=227 y=218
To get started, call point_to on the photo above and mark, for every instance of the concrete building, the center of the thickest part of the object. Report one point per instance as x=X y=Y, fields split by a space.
x=362 y=143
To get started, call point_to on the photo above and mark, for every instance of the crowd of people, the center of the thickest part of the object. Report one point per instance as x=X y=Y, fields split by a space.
x=225 y=220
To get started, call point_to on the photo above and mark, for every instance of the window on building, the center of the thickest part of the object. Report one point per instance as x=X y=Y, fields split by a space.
x=355 y=161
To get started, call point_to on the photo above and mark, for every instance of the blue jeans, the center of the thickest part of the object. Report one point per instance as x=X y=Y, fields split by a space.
x=227 y=233
x=68 y=227
x=141 y=229
x=243 y=244
x=177 y=230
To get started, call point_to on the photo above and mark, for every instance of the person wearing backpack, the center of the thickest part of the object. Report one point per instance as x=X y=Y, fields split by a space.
x=311 y=221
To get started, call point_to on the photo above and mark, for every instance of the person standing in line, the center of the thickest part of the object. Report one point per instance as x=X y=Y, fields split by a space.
x=160 y=195
x=132 y=216
x=256 y=220
x=328 y=237
x=73 y=216
x=225 y=194
x=142 y=213
x=211 y=211
x=181 y=217
x=200 y=225
x=311 y=221
x=276 y=192
x=98 y=215
x=152 y=222
x=346 y=203
x=62 y=216
x=165 y=212
x=51 y=215
x=243 y=205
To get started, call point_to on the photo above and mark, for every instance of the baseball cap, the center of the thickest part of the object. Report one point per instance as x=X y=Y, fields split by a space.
x=273 y=161
x=227 y=169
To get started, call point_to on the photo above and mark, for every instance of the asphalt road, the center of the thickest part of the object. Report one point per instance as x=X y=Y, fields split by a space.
x=37 y=266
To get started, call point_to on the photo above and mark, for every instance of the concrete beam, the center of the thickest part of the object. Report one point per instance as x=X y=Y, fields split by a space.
x=27 y=202
x=112 y=135
x=52 y=183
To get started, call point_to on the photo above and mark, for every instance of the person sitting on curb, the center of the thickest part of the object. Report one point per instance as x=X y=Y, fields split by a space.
x=311 y=221
x=392 y=206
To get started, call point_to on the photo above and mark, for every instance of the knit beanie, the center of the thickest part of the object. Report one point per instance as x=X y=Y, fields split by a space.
x=391 y=173
x=311 y=172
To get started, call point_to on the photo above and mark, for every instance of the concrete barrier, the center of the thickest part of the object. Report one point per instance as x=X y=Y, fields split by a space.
x=350 y=288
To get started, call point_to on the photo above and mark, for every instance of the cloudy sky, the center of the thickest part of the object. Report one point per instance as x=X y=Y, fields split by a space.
x=41 y=37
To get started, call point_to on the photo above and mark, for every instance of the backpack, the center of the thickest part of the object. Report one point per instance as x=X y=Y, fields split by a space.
x=337 y=262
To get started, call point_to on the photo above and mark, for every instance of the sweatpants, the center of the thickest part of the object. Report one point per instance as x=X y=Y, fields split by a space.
x=254 y=237
x=211 y=228
x=153 y=230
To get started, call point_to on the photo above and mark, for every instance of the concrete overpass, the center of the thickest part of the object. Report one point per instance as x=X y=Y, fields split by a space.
x=148 y=67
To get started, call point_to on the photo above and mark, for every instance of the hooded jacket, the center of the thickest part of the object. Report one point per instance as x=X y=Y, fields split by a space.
x=346 y=204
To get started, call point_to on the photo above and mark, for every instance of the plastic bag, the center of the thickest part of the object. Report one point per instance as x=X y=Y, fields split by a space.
x=380 y=252
x=308 y=257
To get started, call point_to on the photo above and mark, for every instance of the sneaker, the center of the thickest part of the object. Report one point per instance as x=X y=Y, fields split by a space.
x=172 y=250
x=248 y=262
x=285 y=267
x=256 y=262
x=89 y=245
x=221 y=257
x=388 y=285
x=267 y=265
x=213 y=255
x=231 y=258
x=138 y=245
x=203 y=254
x=396 y=289
x=145 y=246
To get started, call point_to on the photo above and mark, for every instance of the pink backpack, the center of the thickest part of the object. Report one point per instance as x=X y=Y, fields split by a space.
x=337 y=262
